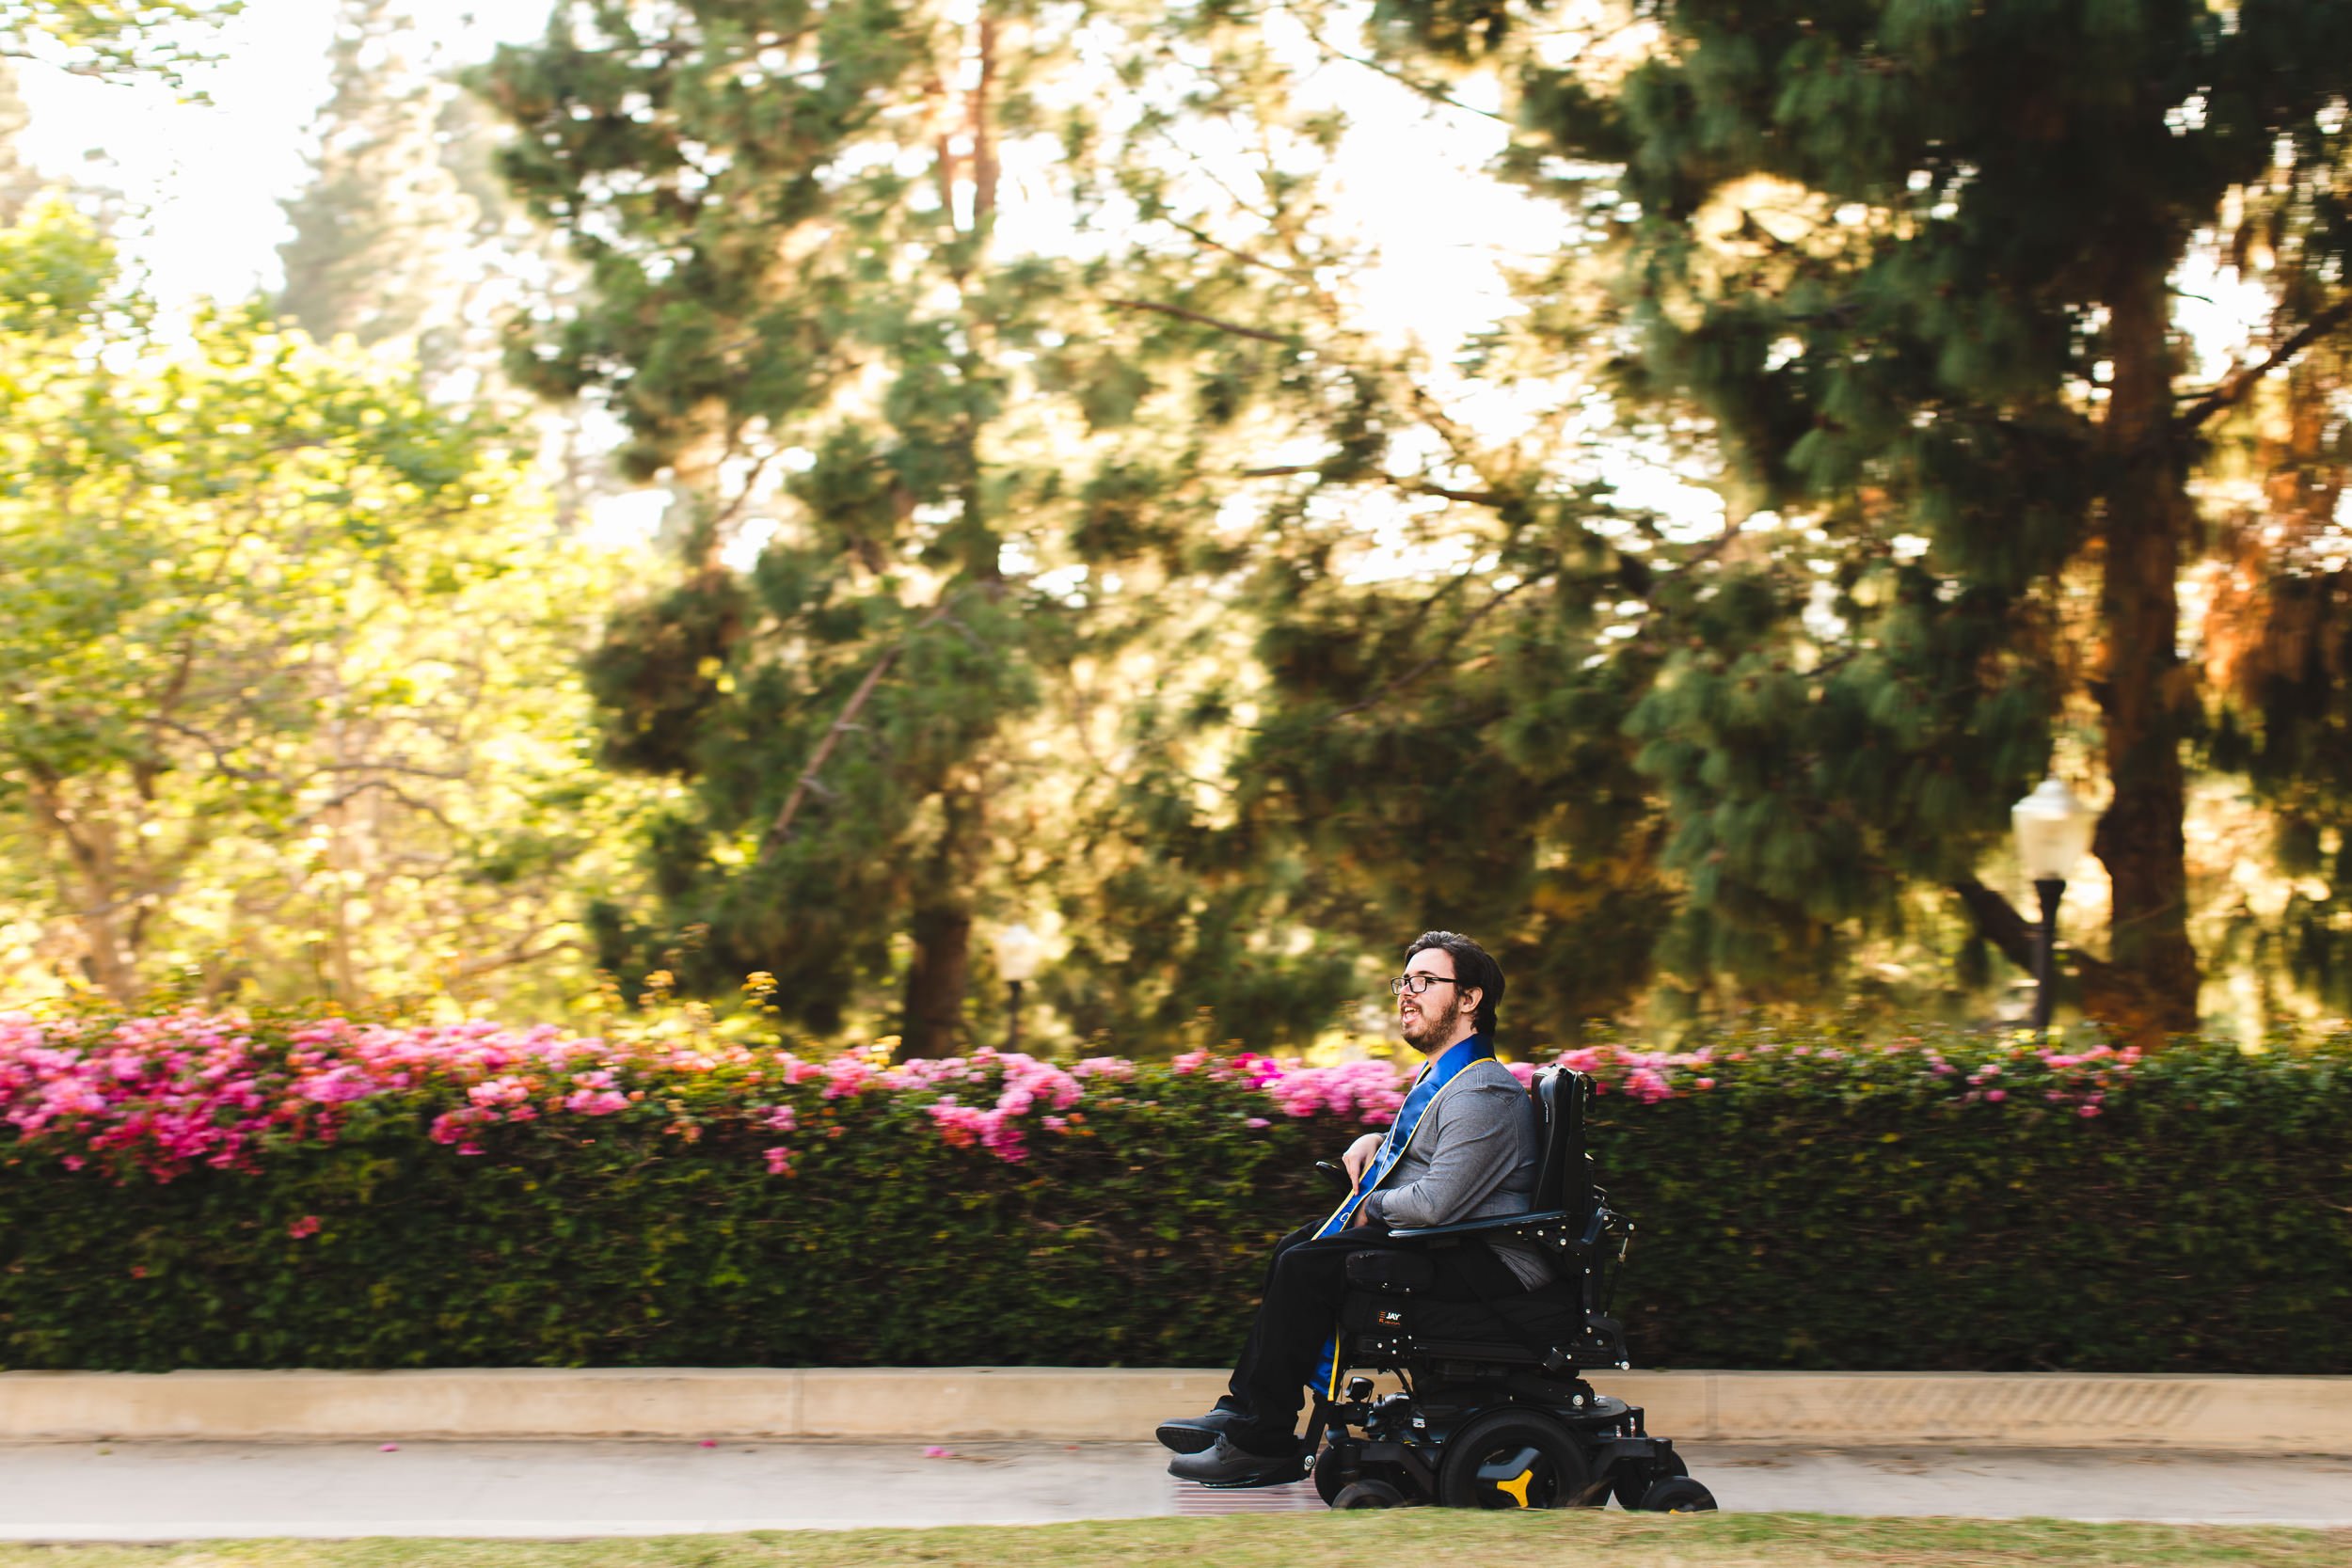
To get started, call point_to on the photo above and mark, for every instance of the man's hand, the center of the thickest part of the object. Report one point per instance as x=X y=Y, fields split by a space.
x=1359 y=1157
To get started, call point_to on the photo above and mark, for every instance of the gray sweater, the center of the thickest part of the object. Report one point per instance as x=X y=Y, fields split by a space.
x=1475 y=1156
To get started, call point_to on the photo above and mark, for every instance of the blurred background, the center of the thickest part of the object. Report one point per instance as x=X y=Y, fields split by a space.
x=878 y=513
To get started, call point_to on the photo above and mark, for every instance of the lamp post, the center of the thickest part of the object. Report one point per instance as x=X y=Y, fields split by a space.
x=1017 y=954
x=2053 y=831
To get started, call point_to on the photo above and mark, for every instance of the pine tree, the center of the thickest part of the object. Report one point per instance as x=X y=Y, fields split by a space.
x=404 y=236
x=1913 y=261
x=935 y=476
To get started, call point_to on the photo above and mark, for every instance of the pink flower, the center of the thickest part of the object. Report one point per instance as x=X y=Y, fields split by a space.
x=779 y=1159
x=845 y=1075
x=1994 y=1097
x=1256 y=1122
x=306 y=1226
x=2087 y=1111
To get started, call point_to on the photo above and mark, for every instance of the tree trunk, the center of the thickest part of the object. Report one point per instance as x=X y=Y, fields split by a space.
x=2143 y=689
x=2120 y=1000
x=941 y=929
x=93 y=892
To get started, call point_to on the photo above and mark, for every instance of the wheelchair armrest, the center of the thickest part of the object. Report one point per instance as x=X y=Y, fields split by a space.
x=1546 y=1228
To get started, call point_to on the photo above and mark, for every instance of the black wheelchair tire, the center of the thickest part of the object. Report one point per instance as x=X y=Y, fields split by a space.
x=1325 y=1475
x=1368 y=1493
x=1550 y=1465
x=1634 y=1481
x=1678 y=1495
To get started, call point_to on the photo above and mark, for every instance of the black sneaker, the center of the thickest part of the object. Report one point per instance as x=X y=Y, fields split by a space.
x=1224 y=1464
x=1193 y=1433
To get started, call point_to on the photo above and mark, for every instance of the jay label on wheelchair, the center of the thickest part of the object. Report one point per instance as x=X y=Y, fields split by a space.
x=1473 y=1259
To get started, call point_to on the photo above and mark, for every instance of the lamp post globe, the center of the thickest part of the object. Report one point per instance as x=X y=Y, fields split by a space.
x=1018 y=950
x=2053 y=830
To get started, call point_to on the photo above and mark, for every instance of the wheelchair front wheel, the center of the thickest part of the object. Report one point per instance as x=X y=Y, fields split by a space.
x=1635 y=1480
x=1514 y=1459
x=1368 y=1493
x=1678 y=1495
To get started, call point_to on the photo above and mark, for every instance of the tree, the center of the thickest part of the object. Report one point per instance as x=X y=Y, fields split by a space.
x=1914 y=262
x=284 y=651
x=405 y=237
x=940 y=476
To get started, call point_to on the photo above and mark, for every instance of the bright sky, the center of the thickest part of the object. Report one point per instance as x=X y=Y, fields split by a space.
x=208 y=179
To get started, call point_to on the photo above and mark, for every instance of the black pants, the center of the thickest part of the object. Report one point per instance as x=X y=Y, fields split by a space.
x=1304 y=1283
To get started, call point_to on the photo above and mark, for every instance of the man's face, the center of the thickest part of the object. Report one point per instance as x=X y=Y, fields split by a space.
x=1429 y=1021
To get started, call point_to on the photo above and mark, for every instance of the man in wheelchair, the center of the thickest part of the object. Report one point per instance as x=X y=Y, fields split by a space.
x=1467 y=1258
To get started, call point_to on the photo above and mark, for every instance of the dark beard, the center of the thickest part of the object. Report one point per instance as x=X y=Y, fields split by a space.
x=1435 y=1027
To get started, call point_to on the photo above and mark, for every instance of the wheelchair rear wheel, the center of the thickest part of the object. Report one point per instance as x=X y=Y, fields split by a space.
x=1512 y=1459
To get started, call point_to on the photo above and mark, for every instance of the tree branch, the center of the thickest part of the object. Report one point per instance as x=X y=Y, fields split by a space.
x=1426 y=89
x=780 y=831
x=1196 y=317
x=2234 y=385
x=1410 y=676
x=1998 y=922
x=1203 y=238
x=220 y=756
x=424 y=808
x=1414 y=487
x=519 y=952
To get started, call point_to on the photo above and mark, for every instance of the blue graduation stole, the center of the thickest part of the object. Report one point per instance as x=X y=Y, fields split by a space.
x=1433 y=1078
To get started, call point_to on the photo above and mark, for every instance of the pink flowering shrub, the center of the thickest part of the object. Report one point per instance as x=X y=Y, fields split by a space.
x=160 y=1095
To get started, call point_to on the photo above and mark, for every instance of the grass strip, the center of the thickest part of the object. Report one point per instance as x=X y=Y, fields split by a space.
x=1489 y=1540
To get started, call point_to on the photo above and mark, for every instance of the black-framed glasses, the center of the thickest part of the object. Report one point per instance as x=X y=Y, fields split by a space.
x=1419 y=984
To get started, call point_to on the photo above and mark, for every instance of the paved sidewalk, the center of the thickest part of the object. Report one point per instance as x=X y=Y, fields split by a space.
x=182 y=1491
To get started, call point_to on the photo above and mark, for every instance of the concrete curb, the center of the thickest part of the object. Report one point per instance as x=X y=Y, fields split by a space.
x=2279 y=1415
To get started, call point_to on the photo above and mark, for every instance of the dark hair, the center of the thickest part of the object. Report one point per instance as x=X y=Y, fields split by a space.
x=1472 y=966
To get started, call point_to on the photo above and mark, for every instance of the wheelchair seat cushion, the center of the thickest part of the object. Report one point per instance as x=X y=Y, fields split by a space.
x=1387 y=1269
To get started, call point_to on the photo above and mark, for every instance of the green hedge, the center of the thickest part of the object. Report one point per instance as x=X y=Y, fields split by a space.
x=1812 y=1203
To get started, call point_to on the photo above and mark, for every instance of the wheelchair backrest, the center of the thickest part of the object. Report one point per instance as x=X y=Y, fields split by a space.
x=1564 y=1179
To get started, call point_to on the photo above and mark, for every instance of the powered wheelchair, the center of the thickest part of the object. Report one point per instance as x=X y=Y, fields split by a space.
x=1494 y=1410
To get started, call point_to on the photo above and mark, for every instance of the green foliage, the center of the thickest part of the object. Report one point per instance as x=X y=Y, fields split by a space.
x=253 y=719
x=1820 y=1203
x=947 y=488
x=1911 y=267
